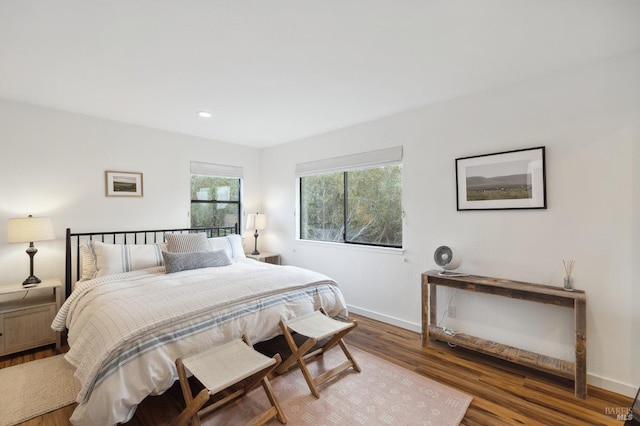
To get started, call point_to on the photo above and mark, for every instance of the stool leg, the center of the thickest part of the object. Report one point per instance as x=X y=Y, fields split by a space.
x=307 y=377
x=354 y=363
x=266 y=385
x=296 y=353
x=274 y=401
x=186 y=392
x=190 y=413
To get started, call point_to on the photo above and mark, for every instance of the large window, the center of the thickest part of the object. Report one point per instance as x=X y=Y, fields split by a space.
x=215 y=198
x=362 y=205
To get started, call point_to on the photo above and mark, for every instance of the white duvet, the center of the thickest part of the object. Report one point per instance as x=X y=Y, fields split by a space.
x=126 y=330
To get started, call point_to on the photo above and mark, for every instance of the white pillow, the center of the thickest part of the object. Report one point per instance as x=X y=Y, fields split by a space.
x=117 y=258
x=232 y=245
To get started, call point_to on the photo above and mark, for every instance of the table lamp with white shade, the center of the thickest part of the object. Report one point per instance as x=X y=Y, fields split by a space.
x=28 y=230
x=258 y=222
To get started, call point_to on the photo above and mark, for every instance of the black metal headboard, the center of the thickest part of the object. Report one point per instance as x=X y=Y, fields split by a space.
x=75 y=239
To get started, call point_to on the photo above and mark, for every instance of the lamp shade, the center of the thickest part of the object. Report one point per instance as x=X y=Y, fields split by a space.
x=29 y=229
x=257 y=221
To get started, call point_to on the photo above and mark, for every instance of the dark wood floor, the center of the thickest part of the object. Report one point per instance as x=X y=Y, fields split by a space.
x=503 y=393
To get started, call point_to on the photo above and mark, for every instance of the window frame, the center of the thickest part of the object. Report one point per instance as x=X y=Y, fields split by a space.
x=220 y=171
x=216 y=202
x=345 y=211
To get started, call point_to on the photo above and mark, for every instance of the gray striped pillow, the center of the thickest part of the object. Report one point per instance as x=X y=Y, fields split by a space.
x=87 y=263
x=187 y=243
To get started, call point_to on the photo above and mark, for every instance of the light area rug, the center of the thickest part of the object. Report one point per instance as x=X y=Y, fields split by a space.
x=35 y=388
x=382 y=394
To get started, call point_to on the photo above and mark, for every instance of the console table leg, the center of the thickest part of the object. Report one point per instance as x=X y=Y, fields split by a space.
x=580 y=312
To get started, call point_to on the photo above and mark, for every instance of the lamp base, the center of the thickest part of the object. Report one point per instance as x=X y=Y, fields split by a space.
x=255 y=249
x=31 y=281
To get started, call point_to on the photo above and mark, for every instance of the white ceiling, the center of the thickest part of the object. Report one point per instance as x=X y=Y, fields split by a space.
x=273 y=71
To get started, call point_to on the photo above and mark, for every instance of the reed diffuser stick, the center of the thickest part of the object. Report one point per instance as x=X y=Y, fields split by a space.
x=568 y=266
x=568 y=269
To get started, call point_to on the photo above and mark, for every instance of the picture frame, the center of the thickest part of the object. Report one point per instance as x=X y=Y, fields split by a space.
x=123 y=184
x=502 y=181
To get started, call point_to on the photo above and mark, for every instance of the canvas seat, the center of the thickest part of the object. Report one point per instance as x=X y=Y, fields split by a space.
x=222 y=368
x=316 y=327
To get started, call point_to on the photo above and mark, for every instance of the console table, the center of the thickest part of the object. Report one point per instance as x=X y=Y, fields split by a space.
x=576 y=300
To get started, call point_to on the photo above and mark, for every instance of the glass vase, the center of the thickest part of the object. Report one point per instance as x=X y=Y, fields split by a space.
x=568 y=283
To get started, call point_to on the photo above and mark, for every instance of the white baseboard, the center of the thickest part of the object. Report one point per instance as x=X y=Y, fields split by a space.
x=386 y=319
x=625 y=389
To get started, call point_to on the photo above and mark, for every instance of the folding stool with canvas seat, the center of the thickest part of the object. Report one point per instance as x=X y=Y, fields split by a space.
x=222 y=368
x=316 y=327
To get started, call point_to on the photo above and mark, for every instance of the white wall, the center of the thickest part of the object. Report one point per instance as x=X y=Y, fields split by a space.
x=53 y=164
x=589 y=120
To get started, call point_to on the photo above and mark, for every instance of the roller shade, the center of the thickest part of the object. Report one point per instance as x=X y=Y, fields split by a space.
x=220 y=170
x=363 y=160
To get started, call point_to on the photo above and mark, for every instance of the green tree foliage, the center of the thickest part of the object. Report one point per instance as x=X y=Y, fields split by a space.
x=215 y=201
x=322 y=207
x=373 y=206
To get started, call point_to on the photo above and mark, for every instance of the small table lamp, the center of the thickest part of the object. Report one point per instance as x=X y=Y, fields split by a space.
x=258 y=222
x=28 y=230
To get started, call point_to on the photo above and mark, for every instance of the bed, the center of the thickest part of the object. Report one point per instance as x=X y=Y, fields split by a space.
x=140 y=299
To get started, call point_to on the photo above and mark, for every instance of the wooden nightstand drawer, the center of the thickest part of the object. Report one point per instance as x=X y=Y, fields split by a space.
x=27 y=328
x=26 y=317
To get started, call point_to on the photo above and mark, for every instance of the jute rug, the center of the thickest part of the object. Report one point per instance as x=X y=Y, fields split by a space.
x=35 y=388
x=382 y=394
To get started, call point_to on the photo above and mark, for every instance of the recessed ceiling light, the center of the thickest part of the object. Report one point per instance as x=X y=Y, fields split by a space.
x=205 y=114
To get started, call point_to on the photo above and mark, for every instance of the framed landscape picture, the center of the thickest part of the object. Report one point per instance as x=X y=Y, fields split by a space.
x=123 y=184
x=500 y=181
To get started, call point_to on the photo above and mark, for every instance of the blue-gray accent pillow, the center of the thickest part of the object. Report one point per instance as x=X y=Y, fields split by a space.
x=175 y=262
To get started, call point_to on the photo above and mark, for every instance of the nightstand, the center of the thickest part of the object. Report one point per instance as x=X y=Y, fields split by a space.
x=26 y=315
x=265 y=257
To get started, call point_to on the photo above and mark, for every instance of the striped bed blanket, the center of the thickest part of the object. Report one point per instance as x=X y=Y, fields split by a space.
x=126 y=330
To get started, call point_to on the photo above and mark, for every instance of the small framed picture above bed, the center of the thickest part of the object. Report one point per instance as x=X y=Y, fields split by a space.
x=123 y=184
